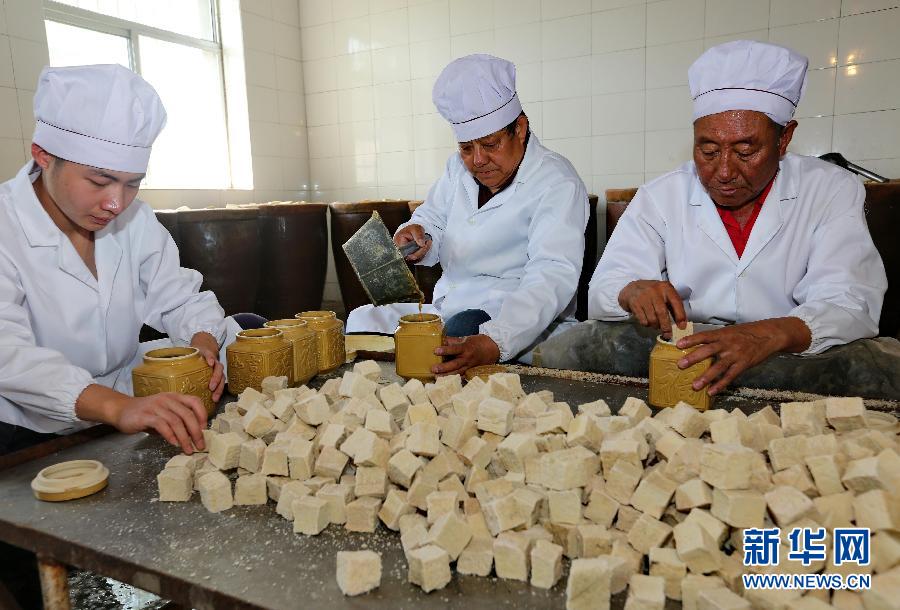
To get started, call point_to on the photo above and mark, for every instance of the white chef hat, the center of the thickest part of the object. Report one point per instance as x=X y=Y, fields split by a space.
x=104 y=116
x=748 y=75
x=477 y=95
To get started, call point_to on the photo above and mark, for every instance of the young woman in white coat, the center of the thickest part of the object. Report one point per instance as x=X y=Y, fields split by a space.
x=83 y=265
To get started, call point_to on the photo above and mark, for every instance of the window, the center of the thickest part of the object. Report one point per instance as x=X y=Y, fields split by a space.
x=176 y=46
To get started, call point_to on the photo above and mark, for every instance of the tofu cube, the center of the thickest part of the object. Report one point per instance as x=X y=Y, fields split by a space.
x=358 y=571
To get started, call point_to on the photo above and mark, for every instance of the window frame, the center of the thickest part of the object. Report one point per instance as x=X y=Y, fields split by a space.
x=132 y=31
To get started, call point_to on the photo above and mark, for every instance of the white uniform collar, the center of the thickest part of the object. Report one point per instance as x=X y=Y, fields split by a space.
x=39 y=228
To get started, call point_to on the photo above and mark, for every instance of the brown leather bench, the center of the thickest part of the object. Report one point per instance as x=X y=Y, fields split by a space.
x=882 y=215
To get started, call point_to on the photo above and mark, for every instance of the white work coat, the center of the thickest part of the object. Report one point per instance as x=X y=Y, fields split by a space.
x=518 y=257
x=61 y=329
x=809 y=254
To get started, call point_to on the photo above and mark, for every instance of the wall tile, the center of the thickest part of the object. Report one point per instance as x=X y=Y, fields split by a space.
x=428 y=58
x=616 y=72
x=790 y=12
x=476 y=42
x=395 y=168
x=262 y=8
x=516 y=12
x=25 y=19
x=617 y=113
x=321 y=108
x=618 y=154
x=558 y=9
x=359 y=171
x=26 y=116
x=570 y=37
x=577 y=151
x=260 y=68
x=357 y=139
x=318 y=75
x=431 y=131
x=7 y=78
x=315 y=12
x=289 y=74
x=530 y=82
x=674 y=21
x=669 y=108
x=813 y=137
x=430 y=164
x=731 y=16
x=350 y=9
x=468 y=16
x=666 y=150
x=519 y=44
x=429 y=21
x=380 y=6
x=390 y=29
x=11 y=127
x=569 y=118
x=390 y=65
x=356 y=105
x=265 y=138
x=818 y=41
x=317 y=42
x=352 y=36
x=420 y=91
x=295 y=175
x=325 y=173
x=393 y=100
x=393 y=135
x=667 y=65
x=867 y=87
x=29 y=58
x=286 y=11
x=564 y=78
x=294 y=142
x=854 y=7
x=291 y=108
x=354 y=70
x=870 y=37
x=758 y=35
x=287 y=41
x=605 y=5
x=873 y=135
x=262 y=103
x=889 y=168
x=818 y=99
x=615 y=30
x=324 y=141
x=258 y=33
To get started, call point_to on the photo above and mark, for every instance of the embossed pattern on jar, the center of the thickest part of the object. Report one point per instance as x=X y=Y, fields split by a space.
x=306 y=350
x=256 y=354
x=670 y=385
x=416 y=338
x=174 y=369
x=330 y=334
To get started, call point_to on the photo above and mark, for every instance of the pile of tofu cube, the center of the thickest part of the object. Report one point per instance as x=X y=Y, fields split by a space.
x=484 y=478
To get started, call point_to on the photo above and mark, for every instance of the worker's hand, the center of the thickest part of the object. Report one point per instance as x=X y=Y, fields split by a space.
x=468 y=352
x=209 y=349
x=651 y=301
x=178 y=418
x=741 y=346
x=414 y=233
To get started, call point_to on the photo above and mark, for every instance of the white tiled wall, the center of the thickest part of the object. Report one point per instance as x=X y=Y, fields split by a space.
x=603 y=81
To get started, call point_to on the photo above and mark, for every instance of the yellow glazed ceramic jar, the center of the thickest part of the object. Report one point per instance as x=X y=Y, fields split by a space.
x=670 y=385
x=306 y=352
x=174 y=369
x=256 y=354
x=416 y=338
x=330 y=338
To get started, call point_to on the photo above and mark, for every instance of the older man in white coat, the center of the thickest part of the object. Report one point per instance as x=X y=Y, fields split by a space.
x=83 y=265
x=506 y=221
x=771 y=244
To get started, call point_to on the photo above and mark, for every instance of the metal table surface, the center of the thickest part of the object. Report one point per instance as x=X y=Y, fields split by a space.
x=246 y=557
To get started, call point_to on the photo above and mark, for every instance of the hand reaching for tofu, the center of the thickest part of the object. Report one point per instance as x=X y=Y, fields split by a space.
x=467 y=352
x=413 y=233
x=653 y=303
x=178 y=418
x=741 y=346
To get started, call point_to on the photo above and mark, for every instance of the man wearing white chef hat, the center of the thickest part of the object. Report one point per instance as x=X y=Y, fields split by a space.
x=506 y=221
x=773 y=245
x=83 y=265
